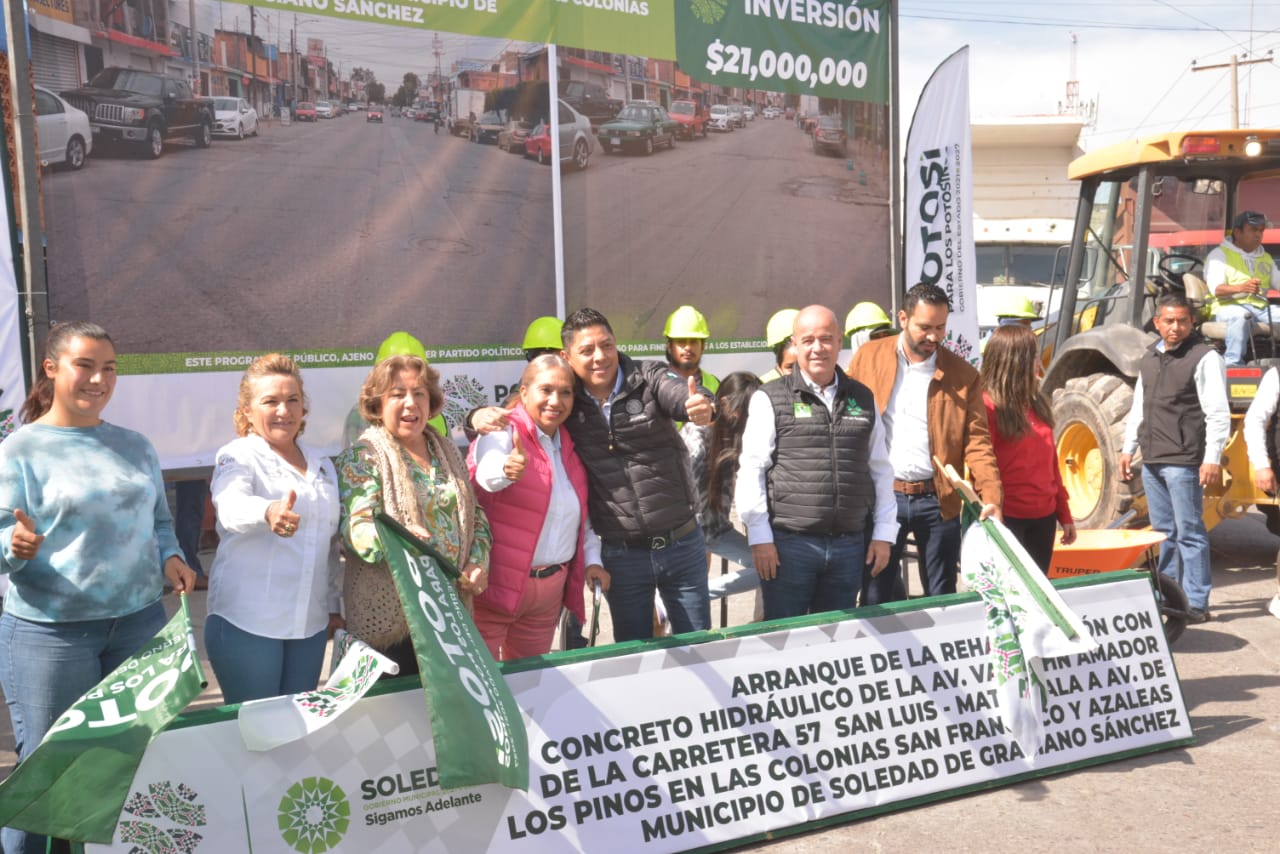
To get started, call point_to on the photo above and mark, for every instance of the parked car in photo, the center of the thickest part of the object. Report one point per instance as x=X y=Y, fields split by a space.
x=305 y=111
x=488 y=126
x=374 y=114
x=772 y=112
x=789 y=113
x=66 y=136
x=720 y=119
x=692 y=118
x=829 y=135
x=407 y=112
x=589 y=99
x=739 y=115
x=513 y=134
x=234 y=117
x=325 y=110
x=639 y=126
x=143 y=109
x=576 y=139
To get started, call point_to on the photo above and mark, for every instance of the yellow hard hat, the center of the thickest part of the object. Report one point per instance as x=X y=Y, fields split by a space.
x=865 y=315
x=686 y=322
x=1014 y=304
x=543 y=334
x=779 y=327
x=401 y=344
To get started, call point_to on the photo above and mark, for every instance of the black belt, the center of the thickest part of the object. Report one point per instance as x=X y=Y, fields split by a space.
x=546 y=571
x=661 y=541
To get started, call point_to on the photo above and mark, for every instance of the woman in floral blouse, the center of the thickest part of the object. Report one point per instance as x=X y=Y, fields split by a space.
x=402 y=466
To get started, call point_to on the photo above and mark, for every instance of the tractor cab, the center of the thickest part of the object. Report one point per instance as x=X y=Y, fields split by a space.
x=1148 y=213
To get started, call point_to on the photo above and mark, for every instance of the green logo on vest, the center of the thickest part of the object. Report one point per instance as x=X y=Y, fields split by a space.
x=851 y=407
x=802 y=410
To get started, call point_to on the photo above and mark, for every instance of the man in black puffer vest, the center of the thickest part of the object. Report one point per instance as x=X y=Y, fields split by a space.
x=815 y=488
x=641 y=496
x=1181 y=421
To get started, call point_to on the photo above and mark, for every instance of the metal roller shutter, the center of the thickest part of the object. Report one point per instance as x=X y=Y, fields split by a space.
x=55 y=62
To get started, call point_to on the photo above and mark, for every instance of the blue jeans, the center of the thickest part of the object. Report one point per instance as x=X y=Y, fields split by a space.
x=1175 y=503
x=1239 y=318
x=937 y=549
x=815 y=573
x=731 y=545
x=46 y=667
x=678 y=573
x=250 y=667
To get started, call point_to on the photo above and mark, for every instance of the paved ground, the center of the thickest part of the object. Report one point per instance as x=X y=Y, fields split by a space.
x=1218 y=794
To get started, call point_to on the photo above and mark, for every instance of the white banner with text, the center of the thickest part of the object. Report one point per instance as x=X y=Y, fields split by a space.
x=685 y=747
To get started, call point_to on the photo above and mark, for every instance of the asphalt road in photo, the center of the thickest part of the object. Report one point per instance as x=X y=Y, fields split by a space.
x=739 y=224
x=326 y=234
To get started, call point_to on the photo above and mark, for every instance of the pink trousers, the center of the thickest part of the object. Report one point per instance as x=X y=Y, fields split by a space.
x=532 y=629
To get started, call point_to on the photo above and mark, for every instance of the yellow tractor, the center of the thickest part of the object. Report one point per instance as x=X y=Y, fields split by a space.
x=1149 y=211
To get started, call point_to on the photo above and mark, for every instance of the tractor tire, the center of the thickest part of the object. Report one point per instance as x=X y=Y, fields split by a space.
x=1090 y=414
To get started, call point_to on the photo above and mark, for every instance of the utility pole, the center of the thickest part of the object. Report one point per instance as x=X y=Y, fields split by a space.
x=1234 y=65
x=195 y=45
x=253 y=57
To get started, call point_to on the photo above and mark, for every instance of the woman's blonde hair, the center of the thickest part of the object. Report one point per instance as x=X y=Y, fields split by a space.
x=268 y=365
x=383 y=377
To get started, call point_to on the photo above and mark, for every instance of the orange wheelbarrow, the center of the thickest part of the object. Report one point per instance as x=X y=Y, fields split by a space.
x=1109 y=549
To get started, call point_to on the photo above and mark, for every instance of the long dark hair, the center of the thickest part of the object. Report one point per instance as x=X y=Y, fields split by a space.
x=1009 y=376
x=40 y=399
x=726 y=438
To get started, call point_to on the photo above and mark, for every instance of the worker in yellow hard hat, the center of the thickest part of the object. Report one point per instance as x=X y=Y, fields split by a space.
x=1014 y=308
x=399 y=343
x=865 y=322
x=686 y=332
x=777 y=334
x=541 y=337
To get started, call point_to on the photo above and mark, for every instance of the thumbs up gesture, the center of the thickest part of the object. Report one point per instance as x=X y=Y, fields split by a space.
x=280 y=516
x=513 y=468
x=697 y=407
x=26 y=542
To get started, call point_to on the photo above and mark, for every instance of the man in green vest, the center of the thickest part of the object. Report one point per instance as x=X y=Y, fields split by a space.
x=1238 y=274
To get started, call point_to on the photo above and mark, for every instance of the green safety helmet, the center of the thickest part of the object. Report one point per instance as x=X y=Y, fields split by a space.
x=865 y=315
x=400 y=344
x=686 y=322
x=543 y=334
x=779 y=327
x=1015 y=305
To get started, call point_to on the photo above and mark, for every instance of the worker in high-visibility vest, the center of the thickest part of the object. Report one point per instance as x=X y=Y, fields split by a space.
x=1238 y=274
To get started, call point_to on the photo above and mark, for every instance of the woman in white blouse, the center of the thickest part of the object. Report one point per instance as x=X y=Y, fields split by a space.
x=276 y=581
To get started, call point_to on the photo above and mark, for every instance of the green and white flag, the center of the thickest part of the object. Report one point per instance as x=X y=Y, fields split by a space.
x=477 y=727
x=1027 y=621
x=271 y=722
x=75 y=783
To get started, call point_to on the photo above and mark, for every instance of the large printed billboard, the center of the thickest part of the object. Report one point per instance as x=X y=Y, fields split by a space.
x=729 y=155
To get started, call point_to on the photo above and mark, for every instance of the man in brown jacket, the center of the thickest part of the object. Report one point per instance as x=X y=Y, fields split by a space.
x=931 y=403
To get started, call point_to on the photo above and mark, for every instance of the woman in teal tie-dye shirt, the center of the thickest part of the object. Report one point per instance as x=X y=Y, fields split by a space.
x=86 y=540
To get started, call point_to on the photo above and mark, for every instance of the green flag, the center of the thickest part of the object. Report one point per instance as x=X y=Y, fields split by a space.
x=476 y=725
x=75 y=783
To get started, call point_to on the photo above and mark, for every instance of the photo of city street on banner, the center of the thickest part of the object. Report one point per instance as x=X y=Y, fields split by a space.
x=269 y=178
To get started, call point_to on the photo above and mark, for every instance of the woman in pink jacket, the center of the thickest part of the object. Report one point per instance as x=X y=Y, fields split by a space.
x=534 y=490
